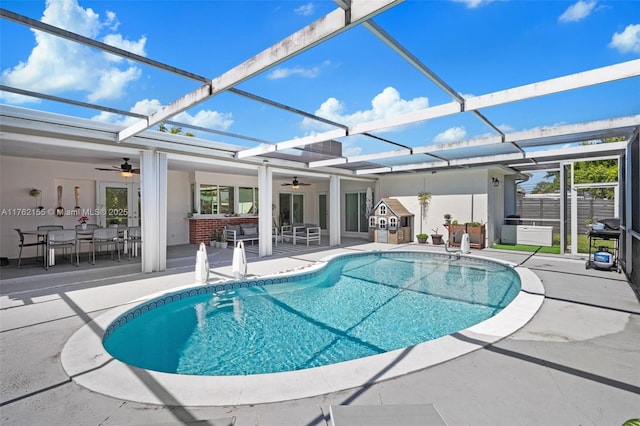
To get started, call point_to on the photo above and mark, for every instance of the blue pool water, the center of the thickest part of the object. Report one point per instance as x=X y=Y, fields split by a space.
x=356 y=306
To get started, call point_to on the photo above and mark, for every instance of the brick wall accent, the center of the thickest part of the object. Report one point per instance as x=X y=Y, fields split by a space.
x=200 y=228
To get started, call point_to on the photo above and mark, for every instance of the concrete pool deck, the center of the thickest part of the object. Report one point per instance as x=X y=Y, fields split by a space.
x=575 y=362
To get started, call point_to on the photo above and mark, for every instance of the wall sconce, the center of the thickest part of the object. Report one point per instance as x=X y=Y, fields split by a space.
x=495 y=181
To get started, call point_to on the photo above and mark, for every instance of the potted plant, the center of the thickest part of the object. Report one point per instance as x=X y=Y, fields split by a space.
x=214 y=238
x=424 y=199
x=447 y=218
x=436 y=238
x=223 y=240
x=476 y=231
x=455 y=233
x=422 y=238
x=83 y=221
x=36 y=193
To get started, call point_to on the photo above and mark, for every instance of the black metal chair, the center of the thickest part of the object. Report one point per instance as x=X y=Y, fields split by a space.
x=22 y=244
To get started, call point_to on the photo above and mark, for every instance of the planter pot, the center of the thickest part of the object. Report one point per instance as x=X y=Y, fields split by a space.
x=476 y=236
x=213 y=243
x=83 y=226
x=422 y=240
x=436 y=239
x=458 y=230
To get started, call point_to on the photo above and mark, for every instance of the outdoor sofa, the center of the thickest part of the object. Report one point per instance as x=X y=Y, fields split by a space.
x=245 y=232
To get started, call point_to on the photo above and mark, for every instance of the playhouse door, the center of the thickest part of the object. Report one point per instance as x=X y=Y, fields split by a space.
x=383 y=233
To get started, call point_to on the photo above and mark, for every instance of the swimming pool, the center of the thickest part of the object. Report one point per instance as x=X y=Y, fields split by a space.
x=89 y=365
x=354 y=306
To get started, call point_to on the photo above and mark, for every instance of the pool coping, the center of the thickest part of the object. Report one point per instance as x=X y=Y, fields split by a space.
x=89 y=365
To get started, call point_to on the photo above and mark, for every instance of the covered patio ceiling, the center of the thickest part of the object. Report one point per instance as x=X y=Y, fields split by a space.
x=392 y=144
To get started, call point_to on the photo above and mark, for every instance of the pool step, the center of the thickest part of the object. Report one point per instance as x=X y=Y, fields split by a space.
x=385 y=415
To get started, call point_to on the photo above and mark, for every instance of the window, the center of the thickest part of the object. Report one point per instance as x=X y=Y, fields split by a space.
x=383 y=210
x=247 y=200
x=356 y=212
x=383 y=223
x=393 y=222
x=372 y=221
x=216 y=199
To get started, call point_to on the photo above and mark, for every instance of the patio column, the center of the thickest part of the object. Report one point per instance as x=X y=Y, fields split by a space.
x=574 y=214
x=153 y=197
x=563 y=208
x=334 y=211
x=265 y=212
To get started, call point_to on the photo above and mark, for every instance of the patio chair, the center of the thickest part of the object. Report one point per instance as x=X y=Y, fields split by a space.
x=84 y=235
x=105 y=237
x=61 y=239
x=134 y=239
x=48 y=228
x=22 y=244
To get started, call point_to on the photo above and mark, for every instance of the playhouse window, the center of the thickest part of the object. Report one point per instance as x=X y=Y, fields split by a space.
x=372 y=221
x=393 y=222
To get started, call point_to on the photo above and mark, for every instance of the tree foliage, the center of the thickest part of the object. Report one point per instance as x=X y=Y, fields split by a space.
x=173 y=130
x=585 y=172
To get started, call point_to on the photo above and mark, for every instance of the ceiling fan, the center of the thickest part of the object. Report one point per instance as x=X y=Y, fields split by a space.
x=295 y=184
x=125 y=169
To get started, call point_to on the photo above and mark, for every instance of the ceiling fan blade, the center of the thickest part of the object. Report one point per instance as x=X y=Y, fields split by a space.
x=304 y=184
x=286 y=184
x=107 y=170
x=135 y=171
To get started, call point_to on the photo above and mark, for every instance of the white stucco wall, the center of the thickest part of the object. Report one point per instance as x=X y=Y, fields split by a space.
x=19 y=175
x=467 y=195
x=178 y=202
x=462 y=193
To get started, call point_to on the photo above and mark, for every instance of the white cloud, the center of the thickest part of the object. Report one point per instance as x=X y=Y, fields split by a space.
x=386 y=104
x=203 y=118
x=578 y=11
x=285 y=72
x=56 y=65
x=472 y=4
x=206 y=118
x=451 y=135
x=305 y=9
x=309 y=72
x=628 y=40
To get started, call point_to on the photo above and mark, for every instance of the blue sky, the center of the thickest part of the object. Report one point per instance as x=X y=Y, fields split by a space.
x=476 y=46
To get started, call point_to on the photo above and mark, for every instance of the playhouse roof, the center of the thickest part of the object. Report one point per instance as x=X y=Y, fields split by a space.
x=395 y=206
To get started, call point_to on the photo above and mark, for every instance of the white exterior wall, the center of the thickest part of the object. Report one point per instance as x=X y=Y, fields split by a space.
x=466 y=194
x=461 y=193
x=496 y=206
x=19 y=175
x=178 y=202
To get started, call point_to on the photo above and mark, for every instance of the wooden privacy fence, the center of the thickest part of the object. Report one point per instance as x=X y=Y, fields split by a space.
x=549 y=208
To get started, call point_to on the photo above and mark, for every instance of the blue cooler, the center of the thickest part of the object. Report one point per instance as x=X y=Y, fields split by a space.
x=602 y=258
